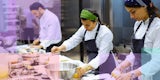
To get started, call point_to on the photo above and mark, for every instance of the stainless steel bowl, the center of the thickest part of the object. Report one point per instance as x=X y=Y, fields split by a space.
x=63 y=70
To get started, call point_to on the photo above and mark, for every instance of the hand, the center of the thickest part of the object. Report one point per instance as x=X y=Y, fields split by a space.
x=125 y=76
x=56 y=49
x=83 y=69
x=116 y=72
x=36 y=42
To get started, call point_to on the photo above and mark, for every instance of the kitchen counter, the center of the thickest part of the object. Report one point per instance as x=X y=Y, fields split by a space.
x=40 y=68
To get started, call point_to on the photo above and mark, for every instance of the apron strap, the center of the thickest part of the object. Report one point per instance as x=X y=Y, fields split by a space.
x=138 y=27
x=96 y=32
x=150 y=21
x=84 y=35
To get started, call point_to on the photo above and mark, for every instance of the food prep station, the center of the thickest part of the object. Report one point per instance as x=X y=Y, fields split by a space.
x=34 y=64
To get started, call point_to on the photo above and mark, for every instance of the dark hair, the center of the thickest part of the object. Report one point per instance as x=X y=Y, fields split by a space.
x=36 y=6
x=94 y=12
x=151 y=10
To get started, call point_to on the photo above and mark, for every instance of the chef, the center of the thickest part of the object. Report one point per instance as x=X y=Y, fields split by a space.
x=97 y=39
x=50 y=30
x=145 y=42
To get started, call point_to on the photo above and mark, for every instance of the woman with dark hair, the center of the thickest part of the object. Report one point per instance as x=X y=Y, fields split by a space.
x=97 y=40
x=145 y=43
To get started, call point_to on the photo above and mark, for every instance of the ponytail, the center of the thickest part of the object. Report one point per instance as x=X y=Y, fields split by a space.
x=98 y=17
x=156 y=11
x=152 y=10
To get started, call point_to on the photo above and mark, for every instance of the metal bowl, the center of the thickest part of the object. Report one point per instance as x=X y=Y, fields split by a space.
x=63 y=70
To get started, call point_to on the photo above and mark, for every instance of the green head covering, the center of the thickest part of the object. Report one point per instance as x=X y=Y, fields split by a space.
x=87 y=15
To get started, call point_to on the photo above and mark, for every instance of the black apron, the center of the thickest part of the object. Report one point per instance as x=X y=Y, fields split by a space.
x=92 y=52
x=141 y=57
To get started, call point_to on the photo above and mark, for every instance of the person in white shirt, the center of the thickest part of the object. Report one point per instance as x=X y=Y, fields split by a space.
x=50 y=30
x=145 y=43
x=97 y=39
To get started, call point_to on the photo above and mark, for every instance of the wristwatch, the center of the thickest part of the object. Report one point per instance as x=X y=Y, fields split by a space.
x=133 y=75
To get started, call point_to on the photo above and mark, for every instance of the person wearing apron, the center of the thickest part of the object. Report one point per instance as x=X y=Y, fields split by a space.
x=92 y=51
x=97 y=40
x=145 y=43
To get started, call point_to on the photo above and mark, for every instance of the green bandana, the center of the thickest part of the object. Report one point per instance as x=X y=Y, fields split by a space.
x=87 y=15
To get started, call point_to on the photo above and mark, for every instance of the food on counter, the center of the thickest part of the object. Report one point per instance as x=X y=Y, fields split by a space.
x=29 y=55
x=25 y=50
x=13 y=73
x=24 y=70
x=32 y=58
x=21 y=72
x=45 y=77
x=66 y=67
x=16 y=66
x=24 y=78
x=30 y=67
x=3 y=73
x=75 y=75
x=37 y=74
x=14 y=62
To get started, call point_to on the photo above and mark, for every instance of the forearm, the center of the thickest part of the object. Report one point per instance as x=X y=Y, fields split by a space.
x=88 y=67
x=124 y=65
x=98 y=60
x=62 y=48
x=129 y=61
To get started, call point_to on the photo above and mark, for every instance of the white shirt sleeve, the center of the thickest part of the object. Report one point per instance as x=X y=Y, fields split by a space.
x=75 y=39
x=153 y=66
x=50 y=31
x=130 y=58
x=105 y=46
